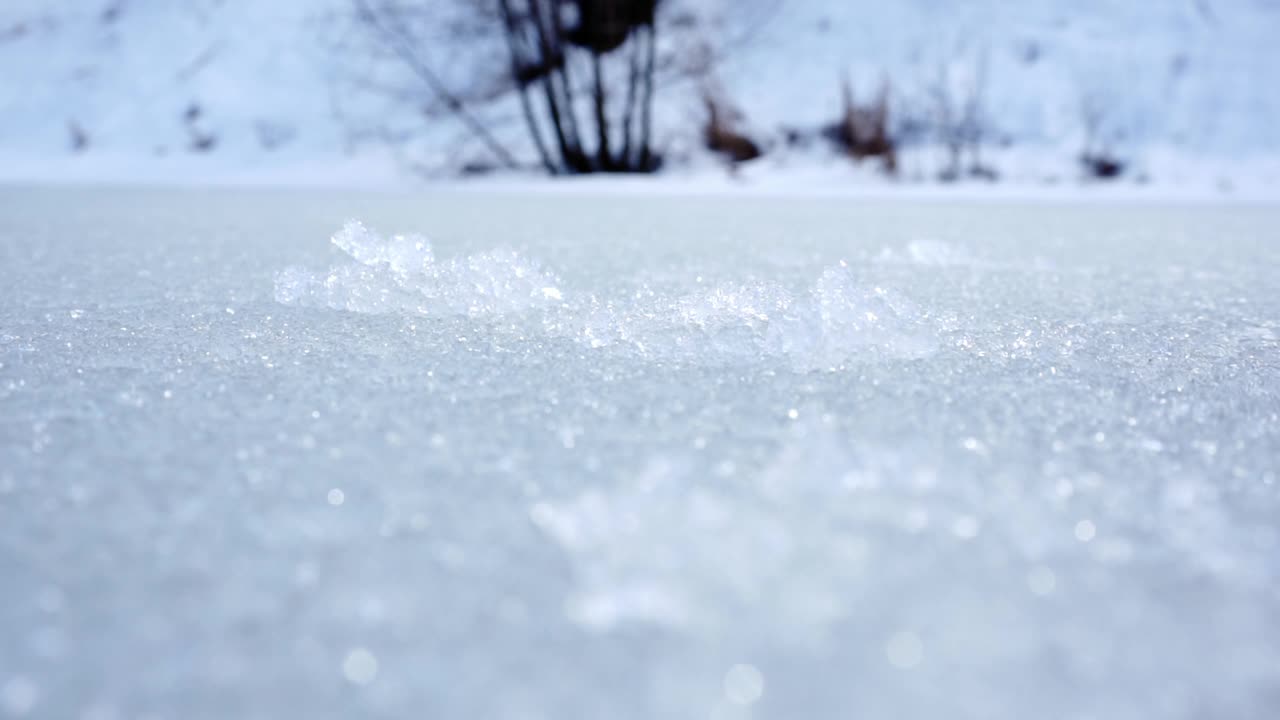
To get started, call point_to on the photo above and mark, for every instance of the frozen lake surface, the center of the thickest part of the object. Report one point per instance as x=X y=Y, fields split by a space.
x=653 y=458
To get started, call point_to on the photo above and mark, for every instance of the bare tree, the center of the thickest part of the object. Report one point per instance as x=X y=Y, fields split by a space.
x=568 y=86
x=583 y=72
x=550 y=42
x=385 y=21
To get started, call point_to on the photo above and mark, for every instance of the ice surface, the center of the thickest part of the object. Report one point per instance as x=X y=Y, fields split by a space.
x=819 y=327
x=635 y=458
x=400 y=274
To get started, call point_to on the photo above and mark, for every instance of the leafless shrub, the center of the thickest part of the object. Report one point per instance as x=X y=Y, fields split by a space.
x=959 y=118
x=581 y=70
x=543 y=38
x=200 y=141
x=203 y=142
x=79 y=138
x=1097 y=158
x=566 y=85
x=720 y=134
x=863 y=129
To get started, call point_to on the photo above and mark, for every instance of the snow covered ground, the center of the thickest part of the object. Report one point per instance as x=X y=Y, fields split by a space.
x=244 y=92
x=635 y=457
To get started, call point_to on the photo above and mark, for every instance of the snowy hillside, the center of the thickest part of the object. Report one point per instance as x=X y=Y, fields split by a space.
x=151 y=88
x=1174 y=81
x=237 y=89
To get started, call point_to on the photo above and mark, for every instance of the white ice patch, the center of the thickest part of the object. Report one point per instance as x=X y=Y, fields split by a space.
x=929 y=252
x=836 y=318
x=402 y=274
x=786 y=548
x=830 y=531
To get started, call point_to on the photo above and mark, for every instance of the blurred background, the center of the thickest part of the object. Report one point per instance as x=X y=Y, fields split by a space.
x=386 y=92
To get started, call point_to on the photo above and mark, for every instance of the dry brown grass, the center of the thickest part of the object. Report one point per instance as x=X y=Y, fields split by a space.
x=719 y=133
x=863 y=129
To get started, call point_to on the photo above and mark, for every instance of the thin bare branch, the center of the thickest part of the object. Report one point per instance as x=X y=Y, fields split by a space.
x=402 y=46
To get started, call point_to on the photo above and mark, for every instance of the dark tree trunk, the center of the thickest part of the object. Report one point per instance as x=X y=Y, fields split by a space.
x=646 y=160
x=604 y=158
x=518 y=74
x=570 y=106
x=628 y=115
x=543 y=52
x=542 y=56
x=555 y=87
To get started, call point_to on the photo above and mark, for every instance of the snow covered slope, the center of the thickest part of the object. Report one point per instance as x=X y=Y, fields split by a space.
x=154 y=89
x=1170 y=81
x=147 y=88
